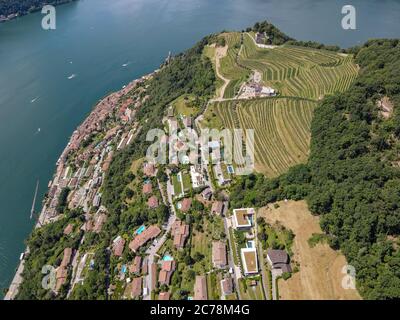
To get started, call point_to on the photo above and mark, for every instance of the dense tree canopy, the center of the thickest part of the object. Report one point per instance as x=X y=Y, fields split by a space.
x=355 y=183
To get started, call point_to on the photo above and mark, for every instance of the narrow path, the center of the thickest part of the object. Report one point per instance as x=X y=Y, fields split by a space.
x=274 y=283
x=263 y=272
x=220 y=52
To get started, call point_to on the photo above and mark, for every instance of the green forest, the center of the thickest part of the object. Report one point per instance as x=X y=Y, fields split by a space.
x=352 y=178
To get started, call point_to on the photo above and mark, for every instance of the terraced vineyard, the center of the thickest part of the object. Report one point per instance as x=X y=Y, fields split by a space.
x=229 y=68
x=281 y=129
x=301 y=76
x=297 y=71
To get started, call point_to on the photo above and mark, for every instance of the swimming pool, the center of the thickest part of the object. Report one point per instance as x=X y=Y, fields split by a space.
x=230 y=169
x=140 y=230
x=167 y=257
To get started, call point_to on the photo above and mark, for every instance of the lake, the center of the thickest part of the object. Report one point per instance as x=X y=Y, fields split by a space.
x=50 y=80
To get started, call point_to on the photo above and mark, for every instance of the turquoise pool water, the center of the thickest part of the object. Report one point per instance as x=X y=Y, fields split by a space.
x=140 y=230
x=167 y=257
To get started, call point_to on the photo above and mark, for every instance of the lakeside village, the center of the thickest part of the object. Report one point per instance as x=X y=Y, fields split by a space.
x=201 y=249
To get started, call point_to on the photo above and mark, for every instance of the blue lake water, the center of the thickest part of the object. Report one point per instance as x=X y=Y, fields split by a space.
x=106 y=44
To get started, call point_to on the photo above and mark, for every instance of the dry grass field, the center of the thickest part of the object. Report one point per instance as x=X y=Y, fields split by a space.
x=320 y=275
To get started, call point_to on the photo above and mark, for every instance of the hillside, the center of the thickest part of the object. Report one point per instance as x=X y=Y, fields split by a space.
x=352 y=176
x=301 y=76
x=116 y=226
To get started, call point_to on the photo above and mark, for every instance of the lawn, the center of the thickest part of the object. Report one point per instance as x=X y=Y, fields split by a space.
x=249 y=292
x=184 y=105
x=187 y=184
x=231 y=296
x=234 y=249
x=213 y=286
x=177 y=185
x=211 y=230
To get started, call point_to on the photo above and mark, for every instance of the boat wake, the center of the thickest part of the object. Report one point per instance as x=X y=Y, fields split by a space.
x=72 y=76
x=126 y=64
x=34 y=100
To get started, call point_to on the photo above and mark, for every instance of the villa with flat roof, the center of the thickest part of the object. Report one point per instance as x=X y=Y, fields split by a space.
x=243 y=218
x=249 y=260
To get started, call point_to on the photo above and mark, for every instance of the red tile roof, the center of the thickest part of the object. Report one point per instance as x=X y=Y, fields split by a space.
x=68 y=229
x=200 y=288
x=186 y=203
x=180 y=231
x=150 y=233
x=147 y=188
x=118 y=246
x=219 y=254
x=136 y=287
x=167 y=269
x=164 y=296
x=135 y=266
x=152 y=202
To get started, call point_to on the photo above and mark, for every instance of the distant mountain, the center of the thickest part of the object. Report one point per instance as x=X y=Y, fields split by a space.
x=11 y=8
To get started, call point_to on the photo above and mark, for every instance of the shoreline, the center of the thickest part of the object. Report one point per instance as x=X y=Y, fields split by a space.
x=99 y=113
x=16 y=15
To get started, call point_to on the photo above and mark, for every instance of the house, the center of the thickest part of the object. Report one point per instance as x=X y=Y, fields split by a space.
x=187 y=122
x=197 y=176
x=226 y=286
x=97 y=200
x=118 y=246
x=219 y=174
x=135 y=266
x=62 y=270
x=68 y=229
x=136 y=288
x=249 y=260
x=167 y=269
x=186 y=204
x=147 y=188
x=150 y=233
x=217 y=208
x=153 y=270
x=279 y=260
x=152 y=202
x=61 y=277
x=200 y=288
x=262 y=38
x=164 y=296
x=99 y=223
x=243 y=218
x=180 y=231
x=206 y=194
x=219 y=254
x=149 y=169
